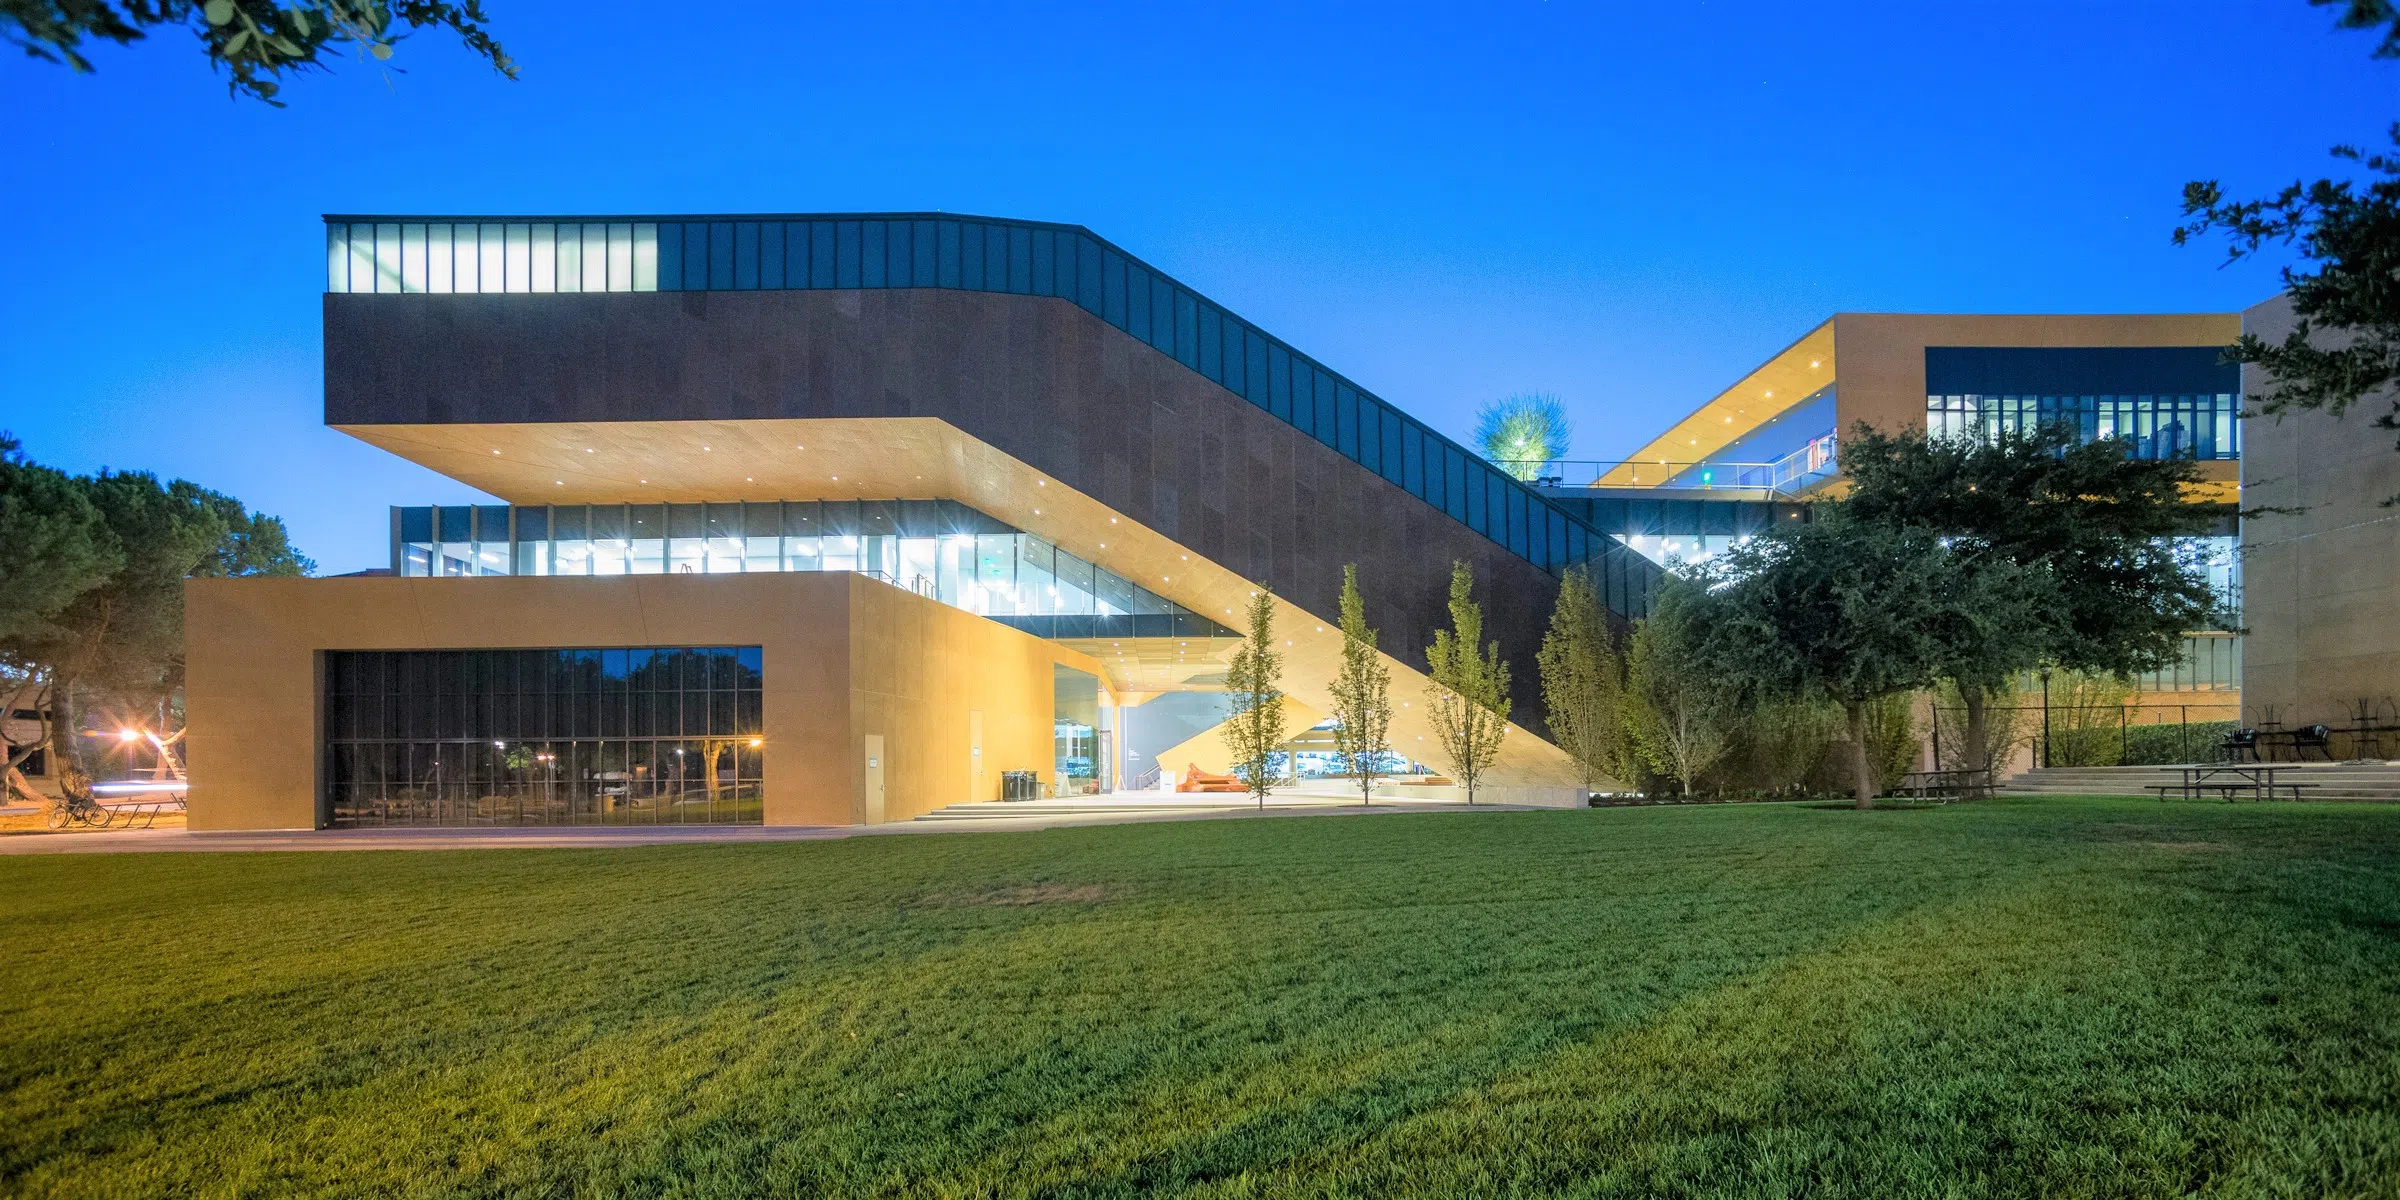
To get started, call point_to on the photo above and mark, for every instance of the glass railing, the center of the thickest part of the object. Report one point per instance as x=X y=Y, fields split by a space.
x=382 y=254
x=1789 y=475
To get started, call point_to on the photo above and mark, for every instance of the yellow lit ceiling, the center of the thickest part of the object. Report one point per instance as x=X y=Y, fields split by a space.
x=609 y=462
x=1782 y=381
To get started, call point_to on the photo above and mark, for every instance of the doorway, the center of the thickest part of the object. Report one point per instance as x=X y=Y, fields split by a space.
x=975 y=756
x=874 y=797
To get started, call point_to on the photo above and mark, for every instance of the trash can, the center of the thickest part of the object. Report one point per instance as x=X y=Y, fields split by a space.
x=1020 y=785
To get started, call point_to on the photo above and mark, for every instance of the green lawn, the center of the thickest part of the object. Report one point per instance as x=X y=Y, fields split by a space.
x=2018 y=997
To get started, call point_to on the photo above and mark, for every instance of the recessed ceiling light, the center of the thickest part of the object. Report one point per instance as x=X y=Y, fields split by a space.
x=1041 y=483
x=645 y=481
x=495 y=452
x=1812 y=362
x=837 y=479
x=707 y=447
x=749 y=479
x=587 y=449
x=562 y=483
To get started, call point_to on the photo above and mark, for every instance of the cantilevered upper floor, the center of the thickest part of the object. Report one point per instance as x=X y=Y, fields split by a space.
x=2153 y=380
x=1032 y=372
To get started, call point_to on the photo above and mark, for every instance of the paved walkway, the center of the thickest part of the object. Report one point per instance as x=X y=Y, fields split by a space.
x=1117 y=809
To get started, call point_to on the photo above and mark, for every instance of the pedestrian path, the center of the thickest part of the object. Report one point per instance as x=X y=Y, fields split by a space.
x=1121 y=808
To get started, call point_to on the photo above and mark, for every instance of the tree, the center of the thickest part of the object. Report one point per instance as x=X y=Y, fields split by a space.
x=58 y=548
x=257 y=42
x=1839 y=609
x=1674 y=708
x=1523 y=432
x=1362 y=694
x=2348 y=235
x=1782 y=741
x=1255 y=730
x=121 y=634
x=1469 y=695
x=1583 y=681
x=2087 y=532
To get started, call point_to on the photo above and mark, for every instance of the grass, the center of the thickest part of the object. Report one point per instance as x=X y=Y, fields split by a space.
x=2017 y=997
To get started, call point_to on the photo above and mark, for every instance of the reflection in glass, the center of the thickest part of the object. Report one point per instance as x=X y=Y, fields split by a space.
x=544 y=737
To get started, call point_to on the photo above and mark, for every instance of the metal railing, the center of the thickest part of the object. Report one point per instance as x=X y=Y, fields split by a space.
x=2098 y=735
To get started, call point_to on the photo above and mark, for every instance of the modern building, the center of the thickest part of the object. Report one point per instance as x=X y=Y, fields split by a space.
x=830 y=519
x=833 y=519
x=1760 y=451
x=2322 y=551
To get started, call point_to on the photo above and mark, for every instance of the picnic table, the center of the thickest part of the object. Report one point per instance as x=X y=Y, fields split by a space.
x=2227 y=779
x=1925 y=785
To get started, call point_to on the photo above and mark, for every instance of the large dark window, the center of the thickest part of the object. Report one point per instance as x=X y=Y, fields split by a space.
x=2161 y=401
x=648 y=736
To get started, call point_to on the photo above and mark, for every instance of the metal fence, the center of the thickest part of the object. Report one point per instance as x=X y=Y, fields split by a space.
x=2108 y=735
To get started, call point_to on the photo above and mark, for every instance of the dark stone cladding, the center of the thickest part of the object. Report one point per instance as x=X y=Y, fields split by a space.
x=1037 y=378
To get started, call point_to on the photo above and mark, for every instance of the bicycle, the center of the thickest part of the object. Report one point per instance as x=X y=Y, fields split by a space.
x=72 y=808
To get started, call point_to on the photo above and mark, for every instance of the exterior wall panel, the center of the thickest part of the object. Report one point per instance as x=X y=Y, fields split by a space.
x=845 y=656
x=1037 y=378
x=2319 y=586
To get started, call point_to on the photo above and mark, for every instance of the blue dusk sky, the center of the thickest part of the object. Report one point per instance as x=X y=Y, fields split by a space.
x=1627 y=205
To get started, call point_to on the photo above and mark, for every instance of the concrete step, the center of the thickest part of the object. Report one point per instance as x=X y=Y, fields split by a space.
x=2371 y=782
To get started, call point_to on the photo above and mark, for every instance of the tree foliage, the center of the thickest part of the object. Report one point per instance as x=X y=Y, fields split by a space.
x=2104 y=526
x=1523 y=432
x=258 y=43
x=91 y=600
x=1255 y=730
x=1781 y=742
x=1468 y=699
x=1583 y=681
x=1677 y=708
x=1362 y=694
x=1846 y=611
x=2345 y=344
x=2090 y=543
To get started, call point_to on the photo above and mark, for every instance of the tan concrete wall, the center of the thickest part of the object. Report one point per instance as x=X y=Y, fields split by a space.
x=841 y=653
x=918 y=670
x=1880 y=357
x=2321 y=588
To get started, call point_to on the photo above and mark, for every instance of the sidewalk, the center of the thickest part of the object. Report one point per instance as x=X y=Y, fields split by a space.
x=991 y=817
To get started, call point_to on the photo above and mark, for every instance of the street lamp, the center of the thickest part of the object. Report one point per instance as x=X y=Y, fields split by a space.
x=2045 y=716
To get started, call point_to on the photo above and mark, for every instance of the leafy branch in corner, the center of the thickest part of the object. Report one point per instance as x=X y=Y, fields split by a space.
x=258 y=42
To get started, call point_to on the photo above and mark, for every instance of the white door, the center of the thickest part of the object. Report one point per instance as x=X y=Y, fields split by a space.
x=874 y=753
x=975 y=756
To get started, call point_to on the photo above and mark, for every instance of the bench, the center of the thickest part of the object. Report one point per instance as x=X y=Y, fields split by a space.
x=1196 y=780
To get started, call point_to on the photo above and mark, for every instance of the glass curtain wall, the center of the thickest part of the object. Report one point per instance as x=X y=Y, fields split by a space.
x=2203 y=426
x=1076 y=731
x=1017 y=257
x=442 y=257
x=655 y=736
x=936 y=548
